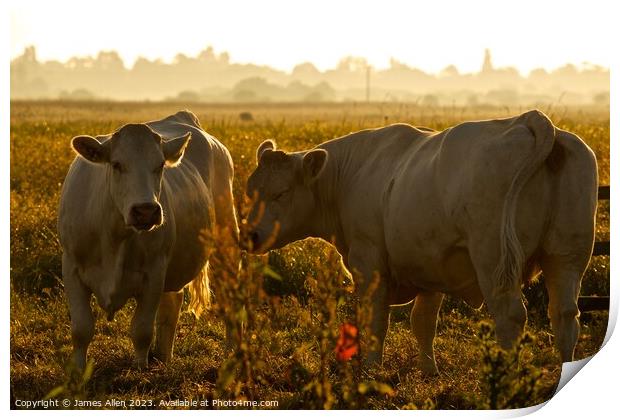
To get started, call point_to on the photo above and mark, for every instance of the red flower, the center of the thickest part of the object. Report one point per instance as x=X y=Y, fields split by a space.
x=347 y=345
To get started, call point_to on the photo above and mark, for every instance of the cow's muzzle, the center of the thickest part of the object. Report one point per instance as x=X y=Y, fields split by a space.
x=145 y=216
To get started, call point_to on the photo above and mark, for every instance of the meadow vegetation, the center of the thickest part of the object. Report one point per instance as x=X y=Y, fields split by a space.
x=285 y=310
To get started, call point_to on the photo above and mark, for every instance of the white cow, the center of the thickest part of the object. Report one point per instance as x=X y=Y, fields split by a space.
x=473 y=211
x=131 y=210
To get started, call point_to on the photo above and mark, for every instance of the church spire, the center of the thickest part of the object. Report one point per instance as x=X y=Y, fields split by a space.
x=487 y=65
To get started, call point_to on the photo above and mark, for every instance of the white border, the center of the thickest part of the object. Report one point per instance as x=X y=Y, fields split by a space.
x=5 y=199
x=592 y=393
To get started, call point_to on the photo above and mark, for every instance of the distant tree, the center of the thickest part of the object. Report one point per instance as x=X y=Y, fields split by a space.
x=181 y=58
x=398 y=65
x=224 y=58
x=306 y=72
x=565 y=70
x=601 y=98
x=109 y=61
x=79 y=94
x=431 y=101
x=313 y=97
x=503 y=96
x=538 y=73
x=188 y=96
x=472 y=100
x=353 y=64
x=244 y=95
x=23 y=69
x=207 y=55
x=29 y=55
x=252 y=83
x=509 y=71
x=449 y=71
x=326 y=91
x=587 y=66
x=80 y=63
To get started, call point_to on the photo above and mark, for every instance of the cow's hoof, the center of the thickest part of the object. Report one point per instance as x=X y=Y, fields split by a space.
x=161 y=356
x=140 y=364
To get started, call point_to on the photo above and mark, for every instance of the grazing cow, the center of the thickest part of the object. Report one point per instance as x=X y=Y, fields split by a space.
x=131 y=210
x=473 y=211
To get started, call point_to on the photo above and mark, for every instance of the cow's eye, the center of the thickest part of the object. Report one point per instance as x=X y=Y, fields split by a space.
x=117 y=166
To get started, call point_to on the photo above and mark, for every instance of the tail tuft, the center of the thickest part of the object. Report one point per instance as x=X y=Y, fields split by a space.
x=200 y=294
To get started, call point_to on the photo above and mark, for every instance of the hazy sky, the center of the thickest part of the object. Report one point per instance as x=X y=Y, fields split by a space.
x=428 y=35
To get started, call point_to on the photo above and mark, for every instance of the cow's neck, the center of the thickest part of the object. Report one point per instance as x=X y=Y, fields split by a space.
x=326 y=224
x=329 y=195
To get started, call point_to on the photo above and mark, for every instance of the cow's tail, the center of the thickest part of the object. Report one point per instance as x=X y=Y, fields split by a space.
x=509 y=271
x=200 y=294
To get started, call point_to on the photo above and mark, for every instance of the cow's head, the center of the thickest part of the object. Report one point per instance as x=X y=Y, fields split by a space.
x=135 y=157
x=285 y=201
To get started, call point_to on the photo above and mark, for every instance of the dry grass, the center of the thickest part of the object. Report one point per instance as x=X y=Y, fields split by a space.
x=292 y=345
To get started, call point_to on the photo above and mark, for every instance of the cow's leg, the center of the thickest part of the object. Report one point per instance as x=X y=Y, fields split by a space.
x=424 y=325
x=563 y=284
x=143 y=324
x=506 y=307
x=510 y=315
x=379 y=324
x=82 y=319
x=166 y=324
x=567 y=250
x=368 y=262
x=216 y=268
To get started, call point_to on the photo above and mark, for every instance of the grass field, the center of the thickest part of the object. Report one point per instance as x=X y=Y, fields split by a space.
x=287 y=352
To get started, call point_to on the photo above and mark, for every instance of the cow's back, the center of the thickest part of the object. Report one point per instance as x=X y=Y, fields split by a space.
x=368 y=161
x=449 y=193
x=208 y=155
x=211 y=159
x=194 y=191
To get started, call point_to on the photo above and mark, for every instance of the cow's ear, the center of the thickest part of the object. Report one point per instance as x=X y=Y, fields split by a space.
x=90 y=149
x=173 y=149
x=264 y=146
x=313 y=164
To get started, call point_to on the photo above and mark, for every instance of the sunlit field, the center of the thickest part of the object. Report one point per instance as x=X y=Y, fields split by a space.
x=293 y=309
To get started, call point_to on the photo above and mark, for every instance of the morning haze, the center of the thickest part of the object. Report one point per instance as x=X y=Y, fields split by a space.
x=211 y=76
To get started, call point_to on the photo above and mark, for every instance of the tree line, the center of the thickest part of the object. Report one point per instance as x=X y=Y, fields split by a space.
x=212 y=77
